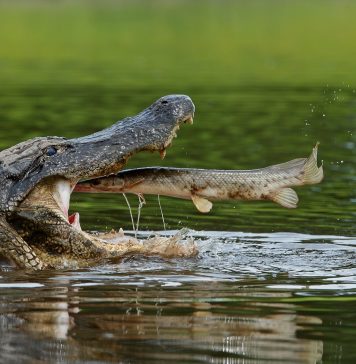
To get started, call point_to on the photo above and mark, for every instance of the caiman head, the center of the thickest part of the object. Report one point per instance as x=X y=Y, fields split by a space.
x=63 y=162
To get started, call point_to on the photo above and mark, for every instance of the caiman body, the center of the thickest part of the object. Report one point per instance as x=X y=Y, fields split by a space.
x=37 y=177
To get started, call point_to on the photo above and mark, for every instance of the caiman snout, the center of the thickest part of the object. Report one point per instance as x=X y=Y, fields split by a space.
x=162 y=120
x=178 y=107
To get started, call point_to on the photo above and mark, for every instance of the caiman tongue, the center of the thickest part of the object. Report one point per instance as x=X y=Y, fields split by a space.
x=74 y=220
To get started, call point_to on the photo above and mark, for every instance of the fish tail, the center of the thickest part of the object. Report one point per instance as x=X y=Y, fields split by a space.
x=312 y=173
x=306 y=171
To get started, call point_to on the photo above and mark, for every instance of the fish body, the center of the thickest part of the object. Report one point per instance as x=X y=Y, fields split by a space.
x=204 y=185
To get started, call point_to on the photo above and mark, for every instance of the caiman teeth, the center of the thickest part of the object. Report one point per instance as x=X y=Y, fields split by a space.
x=189 y=120
x=162 y=153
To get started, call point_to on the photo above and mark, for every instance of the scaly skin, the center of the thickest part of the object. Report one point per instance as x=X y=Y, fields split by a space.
x=58 y=244
x=34 y=229
x=12 y=245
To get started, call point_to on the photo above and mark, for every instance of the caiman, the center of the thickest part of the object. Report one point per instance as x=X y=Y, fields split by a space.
x=37 y=177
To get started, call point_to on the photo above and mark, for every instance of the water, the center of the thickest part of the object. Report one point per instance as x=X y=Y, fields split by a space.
x=247 y=298
x=269 y=285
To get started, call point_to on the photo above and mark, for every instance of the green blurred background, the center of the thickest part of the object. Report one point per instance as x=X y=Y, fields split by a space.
x=130 y=43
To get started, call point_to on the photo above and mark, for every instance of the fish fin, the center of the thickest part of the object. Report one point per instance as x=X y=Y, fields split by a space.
x=286 y=197
x=202 y=204
x=312 y=173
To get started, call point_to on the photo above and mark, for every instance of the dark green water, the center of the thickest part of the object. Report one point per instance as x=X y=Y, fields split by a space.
x=269 y=285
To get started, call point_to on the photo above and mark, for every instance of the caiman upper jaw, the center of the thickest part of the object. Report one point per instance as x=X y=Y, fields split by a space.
x=108 y=150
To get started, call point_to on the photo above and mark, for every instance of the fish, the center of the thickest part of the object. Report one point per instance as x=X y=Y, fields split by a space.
x=202 y=186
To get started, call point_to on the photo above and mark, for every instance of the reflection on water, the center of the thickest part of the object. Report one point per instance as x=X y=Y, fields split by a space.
x=246 y=298
x=65 y=329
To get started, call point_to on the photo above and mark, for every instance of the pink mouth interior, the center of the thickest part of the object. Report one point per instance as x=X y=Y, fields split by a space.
x=62 y=192
x=71 y=218
x=74 y=220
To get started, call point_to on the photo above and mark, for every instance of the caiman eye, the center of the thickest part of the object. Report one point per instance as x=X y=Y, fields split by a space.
x=51 y=151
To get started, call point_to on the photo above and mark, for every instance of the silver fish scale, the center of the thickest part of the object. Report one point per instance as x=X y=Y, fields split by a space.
x=213 y=184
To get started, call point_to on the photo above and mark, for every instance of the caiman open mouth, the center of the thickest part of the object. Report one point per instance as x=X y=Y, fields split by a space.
x=37 y=178
x=62 y=188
